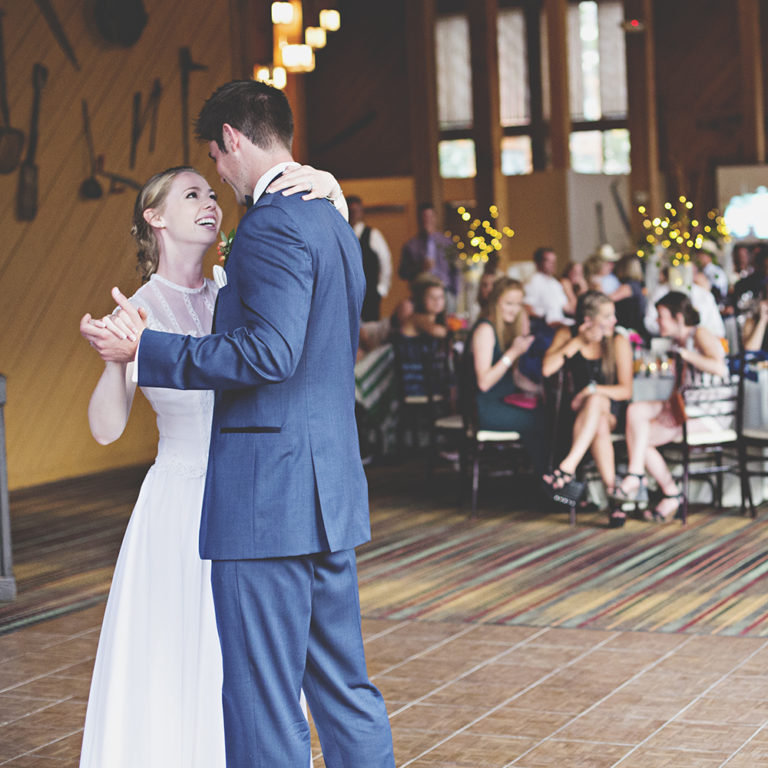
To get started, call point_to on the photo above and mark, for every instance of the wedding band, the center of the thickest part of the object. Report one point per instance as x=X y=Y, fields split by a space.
x=309 y=188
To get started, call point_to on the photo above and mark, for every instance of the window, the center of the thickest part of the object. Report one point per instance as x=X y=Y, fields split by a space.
x=596 y=61
x=597 y=90
x=597 y=86
x=454 y=72
x=600 y=151
x=516 y=155
x=457 y=158
x=513 y=68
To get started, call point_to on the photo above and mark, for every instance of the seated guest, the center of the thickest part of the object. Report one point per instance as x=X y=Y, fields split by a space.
x=603 y=272
x=484 y=288
x=629 y=297
x=499 y=339
x=599 y=362
x=428 y=316
x=574 y=284
x=545 y=302
x=651 y=423
x=754 y=284
x=741 y=263
x=714 y=273
x=417 y=325
x=756 y=329
x=545 y=298
x=702 y=300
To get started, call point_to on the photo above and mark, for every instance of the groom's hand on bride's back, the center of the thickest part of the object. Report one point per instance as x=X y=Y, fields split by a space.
x=115 y=337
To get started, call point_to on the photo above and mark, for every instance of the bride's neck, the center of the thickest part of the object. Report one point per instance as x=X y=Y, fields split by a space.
x=184 y=268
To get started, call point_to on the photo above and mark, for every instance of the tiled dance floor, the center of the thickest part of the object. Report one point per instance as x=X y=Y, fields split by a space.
x=469 y=695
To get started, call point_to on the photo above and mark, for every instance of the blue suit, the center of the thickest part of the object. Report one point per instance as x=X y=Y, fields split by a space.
x=286 y=497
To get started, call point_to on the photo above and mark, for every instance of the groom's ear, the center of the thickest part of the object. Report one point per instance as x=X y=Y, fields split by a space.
x=231 y=137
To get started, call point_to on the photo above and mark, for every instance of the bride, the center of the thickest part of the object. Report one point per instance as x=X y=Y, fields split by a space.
x=155 y=699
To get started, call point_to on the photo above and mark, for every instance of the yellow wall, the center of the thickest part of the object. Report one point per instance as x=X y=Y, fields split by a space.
x=63 y=263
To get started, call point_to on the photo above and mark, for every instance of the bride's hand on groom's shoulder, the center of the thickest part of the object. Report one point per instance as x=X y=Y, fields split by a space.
x=304 y=178
x=115 y=337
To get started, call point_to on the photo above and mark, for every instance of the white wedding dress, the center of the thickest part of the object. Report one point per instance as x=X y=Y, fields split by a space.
x=155 y=698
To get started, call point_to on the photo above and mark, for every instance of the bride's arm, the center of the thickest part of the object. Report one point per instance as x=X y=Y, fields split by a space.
x=111 y=401
x=315 y=184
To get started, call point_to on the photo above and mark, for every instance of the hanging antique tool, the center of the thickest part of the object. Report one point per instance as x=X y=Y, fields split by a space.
x=120 y=21
x=11 y=139
x=117 y=182
x=49 y=14
x=187 y=66
x=90 y=189
x=140 y=119
x=26 y=199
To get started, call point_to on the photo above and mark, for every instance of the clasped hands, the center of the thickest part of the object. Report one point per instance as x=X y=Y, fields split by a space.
x=115 y=337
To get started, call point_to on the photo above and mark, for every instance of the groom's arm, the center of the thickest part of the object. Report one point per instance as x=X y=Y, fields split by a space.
x=274 y=289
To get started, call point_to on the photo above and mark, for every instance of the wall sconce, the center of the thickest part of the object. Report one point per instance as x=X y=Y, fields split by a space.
x=282 y=13
x=277 y=77
x=330 y=20
x=297 y=57
x=315 y=36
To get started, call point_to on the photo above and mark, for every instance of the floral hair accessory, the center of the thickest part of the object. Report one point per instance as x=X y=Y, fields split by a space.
x=224 y=246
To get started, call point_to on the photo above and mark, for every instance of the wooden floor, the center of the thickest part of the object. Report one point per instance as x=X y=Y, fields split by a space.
x=467 y=694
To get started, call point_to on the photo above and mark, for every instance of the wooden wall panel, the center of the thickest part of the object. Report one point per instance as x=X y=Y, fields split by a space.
x=701 y=114
x=64 y=262
x=357 y=98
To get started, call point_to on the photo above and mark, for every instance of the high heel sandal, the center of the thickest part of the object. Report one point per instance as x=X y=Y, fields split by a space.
x=617 y=518
x=568 y=490
x=558 y=478
x=656 y=516
x=638 y=499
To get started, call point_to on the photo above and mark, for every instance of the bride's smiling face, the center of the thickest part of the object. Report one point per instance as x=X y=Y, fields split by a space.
x=190 y=213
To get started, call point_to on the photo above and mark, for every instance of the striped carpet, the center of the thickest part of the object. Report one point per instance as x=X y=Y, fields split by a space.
x=513 y=566
x=428 y=561
x=65 y=538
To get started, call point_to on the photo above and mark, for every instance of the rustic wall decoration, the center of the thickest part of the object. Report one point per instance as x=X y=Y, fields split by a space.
x=11 y=139
x=26 y=197
x=140 y=118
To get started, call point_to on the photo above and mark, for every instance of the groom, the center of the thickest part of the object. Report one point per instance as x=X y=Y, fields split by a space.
x=285 y=498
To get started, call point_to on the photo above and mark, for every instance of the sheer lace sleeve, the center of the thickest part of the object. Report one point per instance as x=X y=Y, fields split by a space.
x=175 y=309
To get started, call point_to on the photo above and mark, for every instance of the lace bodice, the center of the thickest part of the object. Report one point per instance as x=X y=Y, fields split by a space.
x=183 y=417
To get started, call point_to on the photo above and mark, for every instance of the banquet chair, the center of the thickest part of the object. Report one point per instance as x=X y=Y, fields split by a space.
x=483 y=449
x=715 y=449
x=752 y=423
x=423 y=381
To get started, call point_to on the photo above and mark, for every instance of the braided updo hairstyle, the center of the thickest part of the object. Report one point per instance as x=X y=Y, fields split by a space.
x=152 y=195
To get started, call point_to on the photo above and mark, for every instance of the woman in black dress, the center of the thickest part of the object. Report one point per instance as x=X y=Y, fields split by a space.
x=599 y=364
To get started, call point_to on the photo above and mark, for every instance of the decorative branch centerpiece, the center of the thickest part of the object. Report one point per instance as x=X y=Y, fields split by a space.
x=671 y=240
x=478 y=240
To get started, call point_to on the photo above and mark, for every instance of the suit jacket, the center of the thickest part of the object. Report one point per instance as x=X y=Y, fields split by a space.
x=284 y=471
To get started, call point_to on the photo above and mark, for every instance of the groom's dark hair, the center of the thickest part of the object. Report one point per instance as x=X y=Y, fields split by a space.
x=259 y=111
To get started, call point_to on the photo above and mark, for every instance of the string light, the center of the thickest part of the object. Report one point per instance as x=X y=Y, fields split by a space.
x=683 y=230
x=481 y=234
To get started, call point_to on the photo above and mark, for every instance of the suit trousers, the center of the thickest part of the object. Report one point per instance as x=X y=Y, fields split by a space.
x=288 y=623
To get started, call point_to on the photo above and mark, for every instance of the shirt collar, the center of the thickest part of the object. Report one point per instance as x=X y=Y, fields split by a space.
x=267 y=178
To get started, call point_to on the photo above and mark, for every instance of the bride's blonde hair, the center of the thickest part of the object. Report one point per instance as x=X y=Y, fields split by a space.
x=152 y=195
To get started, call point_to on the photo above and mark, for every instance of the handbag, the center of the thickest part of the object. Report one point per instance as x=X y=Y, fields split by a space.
x=522 y=400
x=676 y=403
